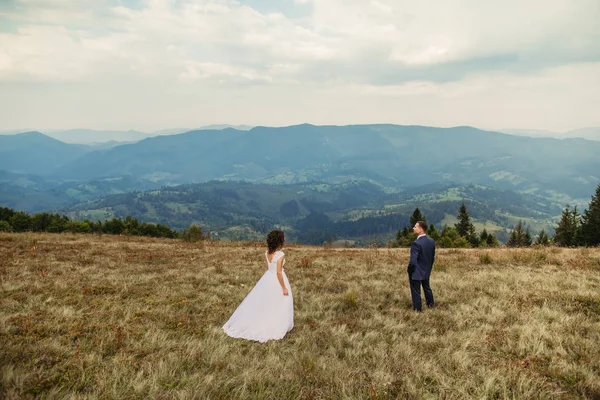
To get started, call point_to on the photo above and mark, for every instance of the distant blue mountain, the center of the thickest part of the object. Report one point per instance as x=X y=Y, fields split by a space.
x=388 y=155
x=36 y=153
x=391 y=155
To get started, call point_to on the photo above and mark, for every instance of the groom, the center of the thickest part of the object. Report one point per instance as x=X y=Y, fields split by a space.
x=422 y=255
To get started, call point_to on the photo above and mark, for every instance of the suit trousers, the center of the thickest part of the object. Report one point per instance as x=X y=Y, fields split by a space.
x=415 y=293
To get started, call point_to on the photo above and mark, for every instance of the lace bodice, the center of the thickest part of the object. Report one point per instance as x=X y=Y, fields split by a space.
x=273 y=263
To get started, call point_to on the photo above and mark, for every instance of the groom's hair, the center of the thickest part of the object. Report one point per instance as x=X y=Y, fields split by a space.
x=423 y=225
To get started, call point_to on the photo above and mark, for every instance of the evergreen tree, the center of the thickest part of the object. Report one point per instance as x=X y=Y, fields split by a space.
x=132 y=226
x=518 y=237
x=492 y=241
x=406 y=238
x=542 y=239
x=488 y=239
x=590 y=221
x=473 y=237
x=402 y=233
x=464 y=226
x=527 y=241
x=512 y=240
x=40 y=222
x=483 y=236
x=567 y=229
x=433 y=233
x=114 y=226
x=416 y=216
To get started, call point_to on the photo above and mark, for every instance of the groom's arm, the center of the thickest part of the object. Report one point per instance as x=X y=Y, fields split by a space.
x=414 y=254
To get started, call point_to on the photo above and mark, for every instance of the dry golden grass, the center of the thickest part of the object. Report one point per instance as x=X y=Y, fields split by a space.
x=122 y=317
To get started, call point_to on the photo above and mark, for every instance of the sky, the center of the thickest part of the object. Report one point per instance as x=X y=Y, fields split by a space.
x=158 y=64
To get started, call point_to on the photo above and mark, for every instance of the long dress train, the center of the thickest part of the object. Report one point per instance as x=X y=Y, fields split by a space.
x=265 y=314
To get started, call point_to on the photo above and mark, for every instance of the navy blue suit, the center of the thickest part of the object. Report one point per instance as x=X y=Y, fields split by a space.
x=422 y=256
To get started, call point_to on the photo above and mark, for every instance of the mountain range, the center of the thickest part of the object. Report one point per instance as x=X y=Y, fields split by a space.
x=591 y=133
x=109 y=138
x=390 y=155
x=42 y=173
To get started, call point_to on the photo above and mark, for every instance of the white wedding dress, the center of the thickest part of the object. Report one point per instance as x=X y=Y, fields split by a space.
x=265 y=314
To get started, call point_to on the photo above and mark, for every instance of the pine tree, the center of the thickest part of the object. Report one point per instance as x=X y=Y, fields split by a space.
x=527 y=241
x=473 y=238
x=492 y=241
x=512 y=240
x=542 y=239
x=518 y=237
x=483 y=236
x=416 y=216
x=433 y=233
x=590 y=221
x=399 y=235
x=568 y=227
x=464 y=226
x=402 y=234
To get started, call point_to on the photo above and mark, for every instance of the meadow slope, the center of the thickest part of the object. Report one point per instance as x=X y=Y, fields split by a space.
x=85 y=316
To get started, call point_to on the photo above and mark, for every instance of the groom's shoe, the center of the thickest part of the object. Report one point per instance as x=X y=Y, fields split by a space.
x=431 y=305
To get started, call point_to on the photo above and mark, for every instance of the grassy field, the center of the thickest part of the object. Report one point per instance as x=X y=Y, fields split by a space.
x=122 y=317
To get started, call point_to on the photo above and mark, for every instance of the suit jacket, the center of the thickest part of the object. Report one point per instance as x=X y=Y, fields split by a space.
x=422 y=256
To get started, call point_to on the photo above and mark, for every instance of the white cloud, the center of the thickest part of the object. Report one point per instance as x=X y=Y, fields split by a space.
x=420 y=32
x=194 y=71
x=403 y=33
x=378 y=49
x=54 y=53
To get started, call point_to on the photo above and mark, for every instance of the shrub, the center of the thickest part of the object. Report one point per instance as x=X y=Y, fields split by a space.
x=20 y=222
x=461 y=243
x=193 y=234
x=114 y=226
x=5 y=227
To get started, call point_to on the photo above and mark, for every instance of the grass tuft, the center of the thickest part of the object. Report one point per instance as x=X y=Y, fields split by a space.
x=486 y=259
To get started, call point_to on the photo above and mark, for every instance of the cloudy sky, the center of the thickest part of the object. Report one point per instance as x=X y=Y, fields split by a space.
x=155 y=64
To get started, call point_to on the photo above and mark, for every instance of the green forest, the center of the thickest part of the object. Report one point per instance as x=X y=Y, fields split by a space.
x=356 y=213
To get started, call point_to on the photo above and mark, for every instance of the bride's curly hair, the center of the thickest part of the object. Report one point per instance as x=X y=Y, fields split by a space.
x=275 y=241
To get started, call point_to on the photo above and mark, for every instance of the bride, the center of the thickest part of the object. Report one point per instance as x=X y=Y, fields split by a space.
x=267 y=312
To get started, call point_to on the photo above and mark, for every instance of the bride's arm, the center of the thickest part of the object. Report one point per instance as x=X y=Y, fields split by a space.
x=280 y=275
